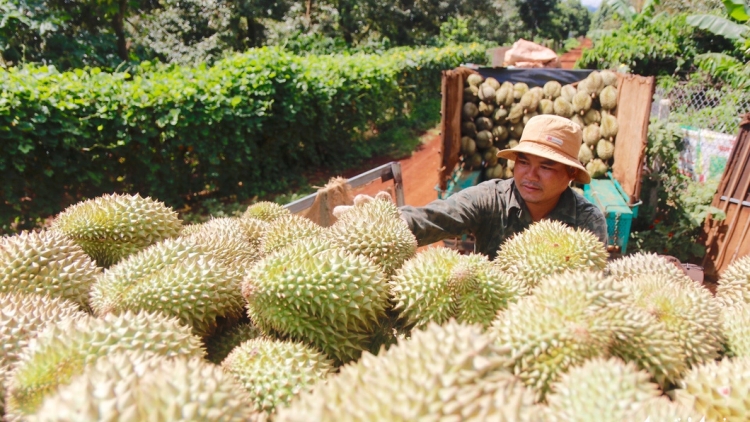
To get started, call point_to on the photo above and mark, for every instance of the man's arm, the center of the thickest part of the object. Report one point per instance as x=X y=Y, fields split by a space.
x=459 y=214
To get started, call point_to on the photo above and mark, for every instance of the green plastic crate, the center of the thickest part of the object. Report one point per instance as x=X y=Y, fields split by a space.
x=608 y=195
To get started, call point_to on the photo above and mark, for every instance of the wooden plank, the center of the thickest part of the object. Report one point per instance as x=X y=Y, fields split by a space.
x=634 y=94
x=452 y=89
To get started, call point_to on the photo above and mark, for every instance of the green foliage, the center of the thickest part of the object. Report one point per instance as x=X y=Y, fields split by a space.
x=569 y=17
x=536 y=14
x=675 y=206
x=247 y=126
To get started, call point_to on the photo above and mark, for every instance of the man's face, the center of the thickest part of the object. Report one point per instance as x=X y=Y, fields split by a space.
x=540 y=180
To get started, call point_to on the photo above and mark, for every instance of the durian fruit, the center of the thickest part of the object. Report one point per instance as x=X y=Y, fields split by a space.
x=592 y=116
x=585 y=154
x=734 y=327
x=578 y=120
x=468 y=146
x=62 y=350
x=469 y=111
x=550 y=247
x=608 y=98
x=265 y=211
x=581 y=103
x=602 y=390
x=643 y=263
x=4 y=373
x=22 y=316
x=492 y=82
x=490 y=157
x=500 y=116
x=474 y=161
x=609 y=127
x=661 y=409
x=591 y=135
x=483 y=123
x=596 y=168
x=508 y=173
x=687 y=310
x=111 y=227
x=609 y=78
x=519 y=89
x=219 y=345
x=605 y=149
x=46 y=263
x=486 y=93
x=486 y=109
x=516 y=130
x=439 y=284
x=471 y=94
x=720 y=391
x=504 y=96
x=500 y=133
x=594 y=83
x=734 y=283
x=512 y=144
x=494 y=172
x=274 y=371
x=474 y=79
x=287 y=230
x=552 y=90
x=228 y=241
x=375 y=231
x=484 y=139
x=449 y=372
x=251 y=230
x=128 y=386
x=568 y=92
x=563 y=107
x=318 y=294
x=526 y=101
x=546 y=106
x=515 y=114
x=177 y=277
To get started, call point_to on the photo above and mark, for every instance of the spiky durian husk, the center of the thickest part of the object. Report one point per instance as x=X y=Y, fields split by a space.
x=46 y=263
x=235 y=242
x=474 y=79
x=608 y=98
x=319 y=294
x=609 y=78
x=375 y=230
x=111 y=227
x=736 y=329
x=568 y=92
x=126 y=386
x=251 y=229
x=602 y=390
x=687 y=310
x=718 y=390
x=661 y=409
x=734 y=283
x=609 y=127
x=642 y=263
x=581 y=102
x=450 y=372
x=177 y=277
x=552 y=89
x=585 y=155
x=288 y=230
x=265 y=211
x=63 y=349
x=562 y=107
x=439 y=284
x=549 y=247
x=219 y=345
x=4 y=373
x=274 y=371
x=596 y=168
x=592 y=116
x=22 y=316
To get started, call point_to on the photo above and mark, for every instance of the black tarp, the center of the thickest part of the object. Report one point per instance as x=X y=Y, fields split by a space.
x=533 y=77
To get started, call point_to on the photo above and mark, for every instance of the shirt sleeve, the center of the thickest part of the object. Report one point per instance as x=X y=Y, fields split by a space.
x=459 y=214
x=597 y=224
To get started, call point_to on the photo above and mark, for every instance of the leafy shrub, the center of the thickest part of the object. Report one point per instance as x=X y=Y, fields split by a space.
x=249 y=125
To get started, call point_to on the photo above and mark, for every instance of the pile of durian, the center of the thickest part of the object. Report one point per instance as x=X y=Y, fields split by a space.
x=119 y=312
x=493 y=116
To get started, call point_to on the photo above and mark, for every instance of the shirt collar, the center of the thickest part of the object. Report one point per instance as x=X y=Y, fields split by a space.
x=564 y=211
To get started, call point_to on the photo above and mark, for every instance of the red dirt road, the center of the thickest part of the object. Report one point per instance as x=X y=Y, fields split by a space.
x=568 y=59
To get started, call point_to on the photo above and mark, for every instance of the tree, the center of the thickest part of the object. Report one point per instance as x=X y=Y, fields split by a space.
x=570 y=17
x=536 y=14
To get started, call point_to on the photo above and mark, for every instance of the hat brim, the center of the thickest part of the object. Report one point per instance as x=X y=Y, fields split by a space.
x=544 y=151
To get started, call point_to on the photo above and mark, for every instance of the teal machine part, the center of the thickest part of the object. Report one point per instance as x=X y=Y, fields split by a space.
x=460 y=179
x=608 y=195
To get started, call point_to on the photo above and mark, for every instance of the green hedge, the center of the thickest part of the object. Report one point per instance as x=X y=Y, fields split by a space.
x=246 y=126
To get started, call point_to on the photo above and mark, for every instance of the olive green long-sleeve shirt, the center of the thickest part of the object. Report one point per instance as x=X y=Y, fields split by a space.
x=493 y=211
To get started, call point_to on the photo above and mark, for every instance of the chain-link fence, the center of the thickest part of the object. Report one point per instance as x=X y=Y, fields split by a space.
x=702 y=107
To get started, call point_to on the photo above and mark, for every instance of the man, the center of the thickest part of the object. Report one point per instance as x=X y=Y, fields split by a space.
x=546 y=162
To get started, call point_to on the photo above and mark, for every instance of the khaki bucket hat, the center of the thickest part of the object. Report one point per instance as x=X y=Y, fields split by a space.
x=554 y=138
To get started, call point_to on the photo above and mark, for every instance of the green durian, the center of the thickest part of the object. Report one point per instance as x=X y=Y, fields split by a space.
x=500 y=116
x=468 y=146
x=474 y=161
x=549 y=247
x=375 y=231
x=508 y=173
x=484 y=140
x=469 y=111
x=4 y=373
x=609 y=127
x=449 y=372
x=512 y=144
x=568 y=92
x=734 y=283
x=519 y=89
x=486 y=109
x=546 y=106
x=578 y=120
x=592 y=116
x=581 y=103
x=605 y=149
x=516 y=130
x=48 y=263
x=492 y=82
x=494 y=172
x=265 y=211
x=591 y=135
x=595 y=83
x=483 y=123
x=585 y=154
x=515 y=114
x=439 y=284
x=504 y=96
x=111 y=227
x=486 y=93
x=474 y=79
x=490 y=157
x=734 y=327
x=468 y=129
x=720 y=391
x=526 y=101
x=230 y=244
x=471 y=94
x=602 y=390
x=563 y=107
x=273 y=371
x=251 y=230
x=643 y=263
x=609 y=78
x=63 y=349
x=132 y=386
x=552 y=90
x=319 y=294
x=608 y=98
x=661 y=409
x=220 y=344
x=287 y=230
x=596 y=168
x=500 y=133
